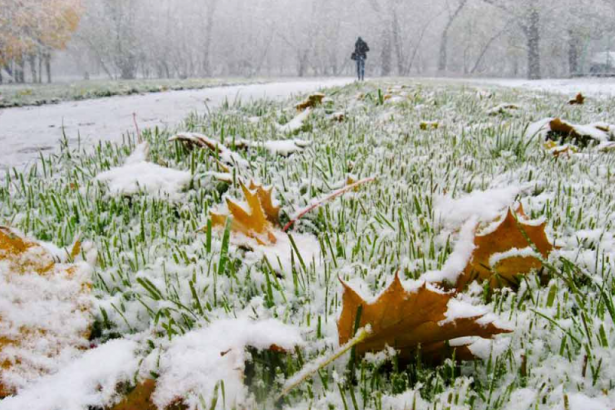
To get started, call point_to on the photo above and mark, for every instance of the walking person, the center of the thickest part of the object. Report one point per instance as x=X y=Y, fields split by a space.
x=360 y=55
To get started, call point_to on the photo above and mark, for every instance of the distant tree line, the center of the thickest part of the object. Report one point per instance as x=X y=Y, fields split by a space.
x=127 y=39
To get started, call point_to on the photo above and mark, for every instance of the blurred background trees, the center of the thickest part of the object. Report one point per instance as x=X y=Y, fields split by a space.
x=127 y=39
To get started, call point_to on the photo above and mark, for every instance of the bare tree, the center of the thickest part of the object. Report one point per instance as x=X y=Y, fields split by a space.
x=452 y=16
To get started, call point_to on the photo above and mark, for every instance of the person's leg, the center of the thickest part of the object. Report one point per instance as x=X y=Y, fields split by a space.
x=359 y=69
x=362 y=69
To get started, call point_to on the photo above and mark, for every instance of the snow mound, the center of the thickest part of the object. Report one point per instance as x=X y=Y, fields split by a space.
x=197 y=361
x=137 y=175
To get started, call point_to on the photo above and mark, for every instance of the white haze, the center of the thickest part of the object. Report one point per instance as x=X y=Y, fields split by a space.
x=273 y=38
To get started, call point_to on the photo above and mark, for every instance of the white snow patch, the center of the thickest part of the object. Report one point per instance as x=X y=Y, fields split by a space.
x=458 y=309
x=197 y=361
x=296 y=123
x=485 y=206
x=459 y=258
x=137 y=175
x=89 y=381
x=527 y=252
x=579 y=401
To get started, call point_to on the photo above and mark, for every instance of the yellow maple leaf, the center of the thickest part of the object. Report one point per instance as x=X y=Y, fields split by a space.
x=255 y=222
x=404 y=320
x=265 y=196
x=511 y=235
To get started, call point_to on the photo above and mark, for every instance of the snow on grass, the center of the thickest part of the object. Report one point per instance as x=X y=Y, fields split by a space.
x=159 y=276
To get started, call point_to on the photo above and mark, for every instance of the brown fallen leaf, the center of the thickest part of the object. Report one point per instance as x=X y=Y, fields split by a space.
x=511 y=235
x=253 y=222
x=581 y=135
x=406 y=320
x=311 y=102
x=578 y=100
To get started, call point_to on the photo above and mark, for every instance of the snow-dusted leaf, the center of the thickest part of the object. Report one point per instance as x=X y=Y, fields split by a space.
x=45 y=316
x=507 y=251
x=218 y=149
x=402 y=319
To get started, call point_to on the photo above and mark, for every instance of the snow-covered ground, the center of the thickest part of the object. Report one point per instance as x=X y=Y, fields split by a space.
x=592 y=87
x=24 y=132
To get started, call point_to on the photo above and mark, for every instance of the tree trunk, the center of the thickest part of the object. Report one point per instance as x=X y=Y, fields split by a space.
x=21 y=71
x=399 y=52
x=208 y=36
x=32 y=62
x=48 y=67
x=40 y=69
x=443 y=54
x=385 y=58
x=573 y=54
x=532 y=33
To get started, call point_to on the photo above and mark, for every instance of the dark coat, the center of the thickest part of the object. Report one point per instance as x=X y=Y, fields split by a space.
x=361 y=48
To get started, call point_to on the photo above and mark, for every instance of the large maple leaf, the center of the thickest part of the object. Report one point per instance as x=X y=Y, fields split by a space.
x=508 y=251
x=405 y=320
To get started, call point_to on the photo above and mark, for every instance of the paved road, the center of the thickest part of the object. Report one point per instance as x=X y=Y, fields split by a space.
x=24 y=132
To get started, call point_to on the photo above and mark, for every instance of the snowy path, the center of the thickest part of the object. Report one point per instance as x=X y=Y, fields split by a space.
x=24 y=132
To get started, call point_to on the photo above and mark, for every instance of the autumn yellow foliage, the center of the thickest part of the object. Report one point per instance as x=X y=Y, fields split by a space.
x=34 y=26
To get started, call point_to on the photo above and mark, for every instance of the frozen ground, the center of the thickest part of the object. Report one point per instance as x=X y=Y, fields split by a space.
x=24 y=132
